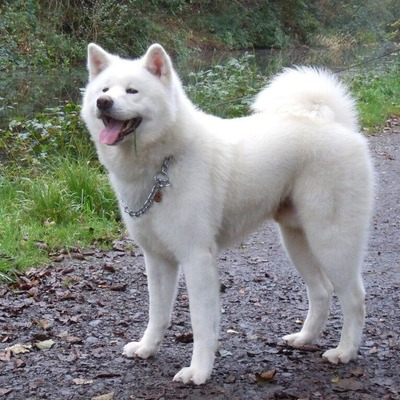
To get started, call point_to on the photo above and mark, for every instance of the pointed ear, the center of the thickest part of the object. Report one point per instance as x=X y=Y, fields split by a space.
x=157 y=61
x=98 y=60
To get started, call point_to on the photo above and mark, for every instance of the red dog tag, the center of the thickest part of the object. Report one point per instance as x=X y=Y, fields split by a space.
x=158 y=196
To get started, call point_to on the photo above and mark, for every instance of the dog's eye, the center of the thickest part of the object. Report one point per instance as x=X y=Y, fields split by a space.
x=105 y=89
x=131 y=91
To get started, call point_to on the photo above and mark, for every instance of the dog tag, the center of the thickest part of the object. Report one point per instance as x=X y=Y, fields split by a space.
x=158 y=196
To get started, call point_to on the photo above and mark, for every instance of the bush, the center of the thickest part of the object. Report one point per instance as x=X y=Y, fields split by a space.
x=226 y=90
x=55 y=132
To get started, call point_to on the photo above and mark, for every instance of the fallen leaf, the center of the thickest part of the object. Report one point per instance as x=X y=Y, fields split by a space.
x=230 y=379
x=73 y=339
x=107 y=396
x=82 y=381
x=78 y=256
x=3 y=391
x=5 y=355
x=42 y=245
x=39 y=337
x=107 y=374
x=19 y=348
x=357 y=372
x=118 y=288
x=232 y=331
x=58 y=258
x=118 y=245
x=19 y=363
x=44 y=323
x=186 y=337
x=109 y=267
x=33 y=292
x=349 y=385
x=224 y=353
x=374 y=350
x=45 y=344
x=265 y=377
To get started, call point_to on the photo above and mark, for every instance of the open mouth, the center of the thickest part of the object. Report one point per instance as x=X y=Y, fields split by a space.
x=114 y=130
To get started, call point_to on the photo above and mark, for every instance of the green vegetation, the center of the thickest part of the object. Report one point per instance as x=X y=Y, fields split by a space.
x=226 y=90
x=53 y=193
x=377 y=95
x=50 y=33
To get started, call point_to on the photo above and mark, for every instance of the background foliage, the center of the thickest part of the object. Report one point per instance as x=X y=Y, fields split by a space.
x=49 y=33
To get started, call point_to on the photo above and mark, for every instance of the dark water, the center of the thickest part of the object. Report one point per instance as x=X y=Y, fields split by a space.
x=24 y=93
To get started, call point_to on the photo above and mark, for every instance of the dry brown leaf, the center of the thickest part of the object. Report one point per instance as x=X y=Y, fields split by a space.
x=357 y=372
x=19 y=363
x=374 y=350
x=350 y=385
x=186 y=337
x=78 y=256
x=265 y=377
x=19 y=348
x=73 y=339
x=5 y=355
x=44 y=323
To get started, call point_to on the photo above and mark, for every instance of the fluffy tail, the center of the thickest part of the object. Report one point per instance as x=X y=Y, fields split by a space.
x=309 y=93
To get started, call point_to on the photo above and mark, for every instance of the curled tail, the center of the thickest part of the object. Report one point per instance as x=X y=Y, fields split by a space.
x=311 y=93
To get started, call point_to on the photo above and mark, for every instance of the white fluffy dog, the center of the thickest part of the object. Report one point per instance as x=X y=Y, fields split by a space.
x=190 y=184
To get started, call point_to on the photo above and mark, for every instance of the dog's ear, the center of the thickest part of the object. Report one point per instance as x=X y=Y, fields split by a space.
x=157 y=61
x=98 y=60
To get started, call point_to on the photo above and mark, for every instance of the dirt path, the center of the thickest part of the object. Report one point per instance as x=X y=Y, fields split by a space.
x=74 y=318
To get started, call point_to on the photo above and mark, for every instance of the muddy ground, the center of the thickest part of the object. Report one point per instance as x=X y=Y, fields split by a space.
x=62 y=327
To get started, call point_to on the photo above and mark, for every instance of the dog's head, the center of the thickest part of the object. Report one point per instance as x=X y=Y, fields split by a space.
x=128 y=100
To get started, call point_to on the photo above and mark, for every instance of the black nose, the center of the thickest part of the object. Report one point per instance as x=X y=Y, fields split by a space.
x=104 y=103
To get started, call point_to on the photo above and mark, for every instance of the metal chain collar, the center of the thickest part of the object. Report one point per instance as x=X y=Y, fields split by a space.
x=161 y=180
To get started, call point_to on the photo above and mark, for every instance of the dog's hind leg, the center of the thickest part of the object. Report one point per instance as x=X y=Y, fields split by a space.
x=162 y=277
x=319 y=289
x=339 y=249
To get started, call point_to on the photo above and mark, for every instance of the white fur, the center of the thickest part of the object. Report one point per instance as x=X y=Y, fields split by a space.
x=298 y=159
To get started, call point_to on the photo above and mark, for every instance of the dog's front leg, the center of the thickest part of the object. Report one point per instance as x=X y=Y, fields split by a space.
x=203 y=287
x=162 y=277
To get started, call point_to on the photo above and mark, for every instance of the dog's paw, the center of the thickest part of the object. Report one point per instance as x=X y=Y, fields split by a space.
x=298 y=339
x=139 y=349
x=340 y=355
x=194 y=375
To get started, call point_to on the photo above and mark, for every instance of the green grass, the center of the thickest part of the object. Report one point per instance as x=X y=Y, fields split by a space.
x=50 y=203
x=377 y=95
x=70 y=204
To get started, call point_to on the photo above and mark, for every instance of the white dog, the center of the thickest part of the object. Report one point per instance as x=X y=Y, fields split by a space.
x=190 y=184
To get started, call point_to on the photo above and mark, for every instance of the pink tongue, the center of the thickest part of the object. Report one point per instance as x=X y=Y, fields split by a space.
x=109 y=135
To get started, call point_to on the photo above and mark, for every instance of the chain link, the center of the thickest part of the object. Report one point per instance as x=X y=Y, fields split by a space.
x=161 y=180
